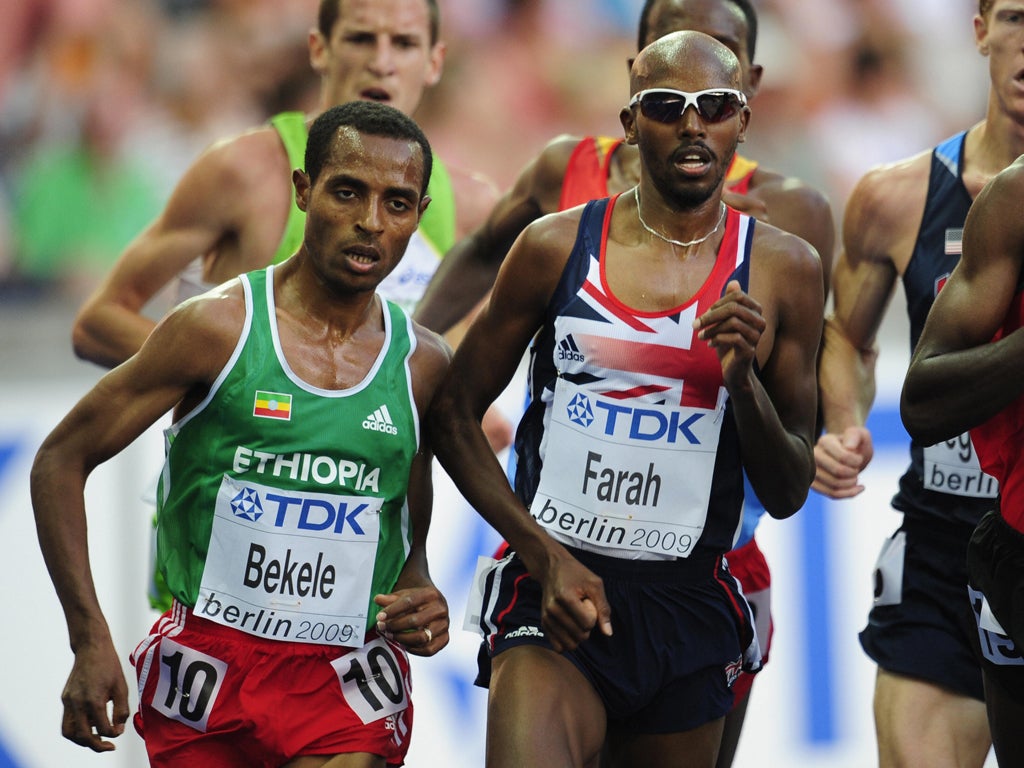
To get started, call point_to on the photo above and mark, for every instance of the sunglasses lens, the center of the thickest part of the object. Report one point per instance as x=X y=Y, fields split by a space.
x=661 y=107
x=716 y=107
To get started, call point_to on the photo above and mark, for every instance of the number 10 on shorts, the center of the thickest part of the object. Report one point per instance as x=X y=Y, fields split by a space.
x=372 y=681
x=188 y=685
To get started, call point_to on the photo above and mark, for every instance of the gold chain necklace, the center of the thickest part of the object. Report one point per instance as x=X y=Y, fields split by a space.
x=656 y=233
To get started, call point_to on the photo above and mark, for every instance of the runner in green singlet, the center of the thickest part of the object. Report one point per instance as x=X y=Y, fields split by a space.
x=296 y=494
x=234 y=211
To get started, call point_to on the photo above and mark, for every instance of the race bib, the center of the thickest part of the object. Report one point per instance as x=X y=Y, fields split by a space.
x=952 y=467
x=623 y=476
x=290 y=565
x=188 y=684
x=372 y=680
x=996 y=645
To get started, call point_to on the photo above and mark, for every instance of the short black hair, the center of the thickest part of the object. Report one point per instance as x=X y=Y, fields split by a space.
x=327 y=16
x=745 y=6
x=371 y=118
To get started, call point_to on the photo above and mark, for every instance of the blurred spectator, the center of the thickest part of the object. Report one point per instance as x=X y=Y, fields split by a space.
x=112 y=99
x=868 y=73
x=877 y=114
x=78 y=203
x=23 y=25
x=526 y=75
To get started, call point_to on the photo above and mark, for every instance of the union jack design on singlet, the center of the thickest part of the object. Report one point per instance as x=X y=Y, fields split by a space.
x=614 y=350
x=629 y=355
x=638 y=381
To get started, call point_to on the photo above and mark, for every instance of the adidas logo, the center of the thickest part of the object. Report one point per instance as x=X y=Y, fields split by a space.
x=567 y=350
x=380 y=421
x=524 y=631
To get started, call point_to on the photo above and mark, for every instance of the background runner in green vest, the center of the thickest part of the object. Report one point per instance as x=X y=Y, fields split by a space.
x=271 y=360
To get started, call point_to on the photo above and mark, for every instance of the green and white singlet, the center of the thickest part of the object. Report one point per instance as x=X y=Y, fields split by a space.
x=282 y=506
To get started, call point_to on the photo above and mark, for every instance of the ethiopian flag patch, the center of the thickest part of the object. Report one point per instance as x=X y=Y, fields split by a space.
x=272 y=405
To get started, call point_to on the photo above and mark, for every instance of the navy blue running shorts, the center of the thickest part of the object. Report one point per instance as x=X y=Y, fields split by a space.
x=683 y=632
x=921 y=624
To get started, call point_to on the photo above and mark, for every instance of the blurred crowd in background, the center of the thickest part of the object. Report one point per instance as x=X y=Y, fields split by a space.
x=104 y=103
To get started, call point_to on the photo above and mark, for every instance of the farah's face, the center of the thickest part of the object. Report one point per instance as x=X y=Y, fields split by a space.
x=1001 y=36
x=686 y=159
x=363 y=208
x=379 y=50
x=720 y=19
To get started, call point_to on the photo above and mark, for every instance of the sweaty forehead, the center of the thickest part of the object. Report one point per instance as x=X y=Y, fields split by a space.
x=375 y=160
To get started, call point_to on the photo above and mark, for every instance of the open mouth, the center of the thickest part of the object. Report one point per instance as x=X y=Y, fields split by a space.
x=375 y=94
x=693 y=160
x=363 y=254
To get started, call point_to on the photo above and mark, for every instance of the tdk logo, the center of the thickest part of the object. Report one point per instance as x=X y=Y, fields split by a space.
x=247 y=504
x=648 y=424
x=579 y=410
x=298 y=512
x=567 y=350
x=380 y=421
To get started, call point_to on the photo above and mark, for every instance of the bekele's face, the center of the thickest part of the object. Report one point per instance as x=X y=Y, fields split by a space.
x=362 y=209
x=378 y=50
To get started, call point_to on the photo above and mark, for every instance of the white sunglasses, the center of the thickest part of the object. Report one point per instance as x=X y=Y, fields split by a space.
x=666 y=105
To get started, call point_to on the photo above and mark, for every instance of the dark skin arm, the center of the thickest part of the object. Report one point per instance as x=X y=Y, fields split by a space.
x=775 y=412
x=573 y=597
x=469 y=269
x=185 y=355
x=415 y=603
x=957 y=379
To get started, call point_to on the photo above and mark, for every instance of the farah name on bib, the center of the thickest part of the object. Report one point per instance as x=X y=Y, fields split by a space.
x=627 y=475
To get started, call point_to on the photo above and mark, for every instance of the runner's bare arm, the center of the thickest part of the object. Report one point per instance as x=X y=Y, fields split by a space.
x=483 y=365
x=415 y=613
x=957 y=379
x=209 y=207
x=774 y=412
x=468 y=270
x=181 y=355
